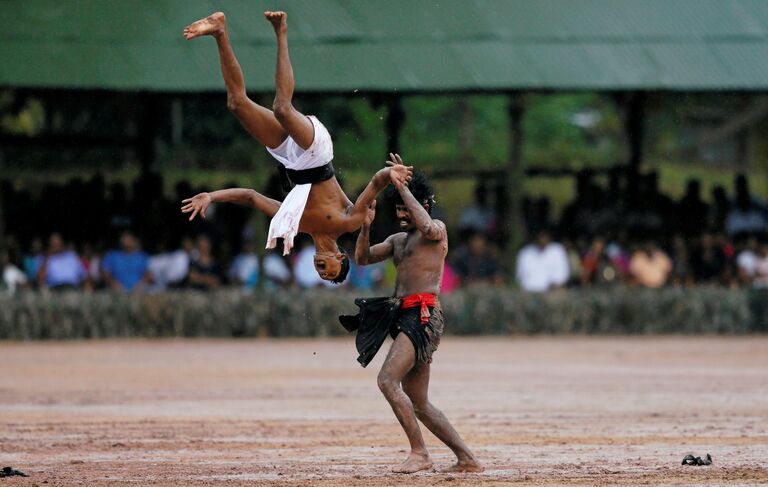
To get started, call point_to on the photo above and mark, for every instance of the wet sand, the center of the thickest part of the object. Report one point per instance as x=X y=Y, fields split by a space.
x=537 y=411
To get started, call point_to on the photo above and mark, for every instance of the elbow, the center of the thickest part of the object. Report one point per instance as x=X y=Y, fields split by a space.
x=361 y=258
x=253 y=198
x=428 y=230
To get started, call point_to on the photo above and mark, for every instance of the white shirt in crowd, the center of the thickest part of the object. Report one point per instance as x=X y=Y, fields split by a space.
x=244 y=267
x=539 y=270
x=168 y=268
x=275 y=269
x=747 y=261
x=13 y=277
x=755 y=266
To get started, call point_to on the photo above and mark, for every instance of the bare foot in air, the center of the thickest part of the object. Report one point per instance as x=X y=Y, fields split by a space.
x=469 y=466
x=215 y=25
x=279 y=21
x=414 y=463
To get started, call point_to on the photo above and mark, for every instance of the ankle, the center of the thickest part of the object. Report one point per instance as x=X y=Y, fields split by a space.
x=419 y=452
x=465 y=459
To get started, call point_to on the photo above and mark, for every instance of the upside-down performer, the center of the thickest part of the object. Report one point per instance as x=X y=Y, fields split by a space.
x=316 y=205
x=414 y=319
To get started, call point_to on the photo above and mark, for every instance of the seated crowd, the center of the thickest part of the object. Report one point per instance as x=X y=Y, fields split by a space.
x=628 y=232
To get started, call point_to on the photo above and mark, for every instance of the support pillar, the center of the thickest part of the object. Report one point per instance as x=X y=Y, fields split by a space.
x=394 y=123
x=513 y=228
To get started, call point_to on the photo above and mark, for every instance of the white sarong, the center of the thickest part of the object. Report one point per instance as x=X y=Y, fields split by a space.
x=285 y=223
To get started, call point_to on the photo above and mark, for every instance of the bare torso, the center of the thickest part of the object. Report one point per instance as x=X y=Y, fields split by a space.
x=328 y=211
x=419 y=263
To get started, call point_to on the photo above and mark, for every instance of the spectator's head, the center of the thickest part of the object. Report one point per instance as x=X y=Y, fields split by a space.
x=55 y=243
x=128 y=242
x=478 y=244
x=762 y=249
x=481 y=194
x=751 y=243
x=719 y=196
x=707 y=240
x=598 y=245
x=743 y=200
x=421 y=190
x=543 y=238
x=249 y=246
x=36 y=247
x=332 y=266
x=187 y=244
x=741 y=185
x=693 y=188
x=204 y=245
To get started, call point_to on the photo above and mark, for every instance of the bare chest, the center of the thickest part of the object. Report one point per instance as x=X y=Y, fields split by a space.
x=419 y=250
x=325 y=214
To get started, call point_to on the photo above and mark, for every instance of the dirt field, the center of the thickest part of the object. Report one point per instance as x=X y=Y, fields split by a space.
x=538 y=411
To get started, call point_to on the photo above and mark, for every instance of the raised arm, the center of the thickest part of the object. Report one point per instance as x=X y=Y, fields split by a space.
x=364 y=253
x=429 y=228
x=379 y=181
x=247 y=197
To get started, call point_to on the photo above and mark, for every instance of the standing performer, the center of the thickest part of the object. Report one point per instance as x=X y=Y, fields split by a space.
x=316 y=205
x=413 y=318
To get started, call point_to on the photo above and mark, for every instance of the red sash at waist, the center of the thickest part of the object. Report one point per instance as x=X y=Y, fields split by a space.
x=422 y=300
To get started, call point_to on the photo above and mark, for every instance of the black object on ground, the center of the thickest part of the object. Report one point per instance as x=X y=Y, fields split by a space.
x=9 y=472
x=696 y=461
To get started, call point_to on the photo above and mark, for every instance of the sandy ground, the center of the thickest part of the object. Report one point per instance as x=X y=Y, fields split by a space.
x=537 y=411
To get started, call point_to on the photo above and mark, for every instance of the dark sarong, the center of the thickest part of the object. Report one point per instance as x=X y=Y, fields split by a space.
x=304 y=176
x=380 y=317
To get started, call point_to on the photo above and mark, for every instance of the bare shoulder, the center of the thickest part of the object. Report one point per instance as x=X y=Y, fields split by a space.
x=442 y=228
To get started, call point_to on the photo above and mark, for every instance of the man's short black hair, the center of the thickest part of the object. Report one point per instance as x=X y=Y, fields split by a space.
x=344 y=269
x=420 y=189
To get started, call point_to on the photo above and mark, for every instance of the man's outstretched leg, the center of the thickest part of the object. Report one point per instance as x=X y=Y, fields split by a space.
x=416 y=385
x=298 y=126
x=401 y=359
x=260 y=122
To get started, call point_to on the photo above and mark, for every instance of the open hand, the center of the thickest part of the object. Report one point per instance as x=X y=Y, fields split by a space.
x=197 y=204
x=399 y=173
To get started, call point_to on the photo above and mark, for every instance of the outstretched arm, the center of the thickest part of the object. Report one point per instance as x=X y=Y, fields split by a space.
x=431 y=229
x=247 y=197
x=364 y=253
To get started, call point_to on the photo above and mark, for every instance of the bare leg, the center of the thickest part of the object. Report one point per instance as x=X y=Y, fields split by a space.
x=401 y=358
x=416 y=385
x=295 y=123
x=260 y=122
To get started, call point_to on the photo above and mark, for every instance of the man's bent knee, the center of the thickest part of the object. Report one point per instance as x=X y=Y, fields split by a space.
x=421 y=409
x=387 y=385
x=282 y=111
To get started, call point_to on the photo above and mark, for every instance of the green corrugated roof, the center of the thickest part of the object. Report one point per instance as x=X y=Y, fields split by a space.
x=406 y=45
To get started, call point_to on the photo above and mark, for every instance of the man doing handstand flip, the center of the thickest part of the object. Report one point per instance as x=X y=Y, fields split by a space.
x=316 y=205
x=414 y=319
